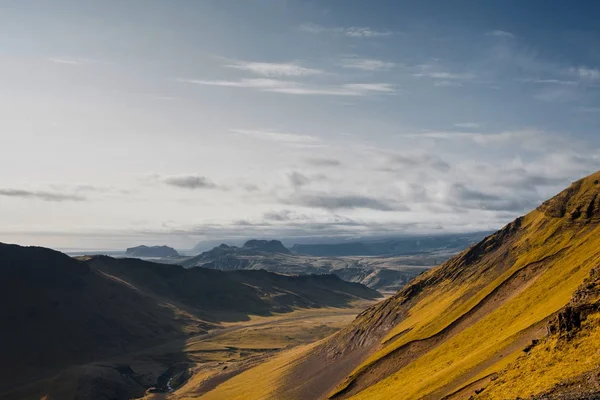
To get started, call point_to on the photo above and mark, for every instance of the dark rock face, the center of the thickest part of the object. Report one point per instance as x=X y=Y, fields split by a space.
x=152 y=251
x=266 y=246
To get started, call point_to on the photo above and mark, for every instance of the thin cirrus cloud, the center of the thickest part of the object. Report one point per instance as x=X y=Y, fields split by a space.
x=69 y=60
x=444 y=75
x=40 y=195
x=500 y=34
x=366 y=64
x=275 y=69
x=275 y=136
x=353 y=31
x=299 y=88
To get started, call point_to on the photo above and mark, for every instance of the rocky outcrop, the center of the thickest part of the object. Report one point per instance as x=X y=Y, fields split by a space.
x=266 y=246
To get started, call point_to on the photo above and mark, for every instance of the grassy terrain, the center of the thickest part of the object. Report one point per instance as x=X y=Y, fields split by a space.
x=480 y=341
x=244 y=351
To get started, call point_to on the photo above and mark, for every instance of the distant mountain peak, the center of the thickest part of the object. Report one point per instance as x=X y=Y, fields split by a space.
x=151 y=251
x=266 y=246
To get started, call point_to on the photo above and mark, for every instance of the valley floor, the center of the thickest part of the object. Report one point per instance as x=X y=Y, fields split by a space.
x=191 y=368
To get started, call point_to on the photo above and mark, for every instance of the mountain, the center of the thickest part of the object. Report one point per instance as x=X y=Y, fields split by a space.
x=151 y=252
x=59 y=312
x=266 y=246
x=377 y=273
x=514 y=316
x=398 y=246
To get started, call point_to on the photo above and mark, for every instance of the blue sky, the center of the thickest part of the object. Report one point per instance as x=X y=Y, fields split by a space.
x=173 y=122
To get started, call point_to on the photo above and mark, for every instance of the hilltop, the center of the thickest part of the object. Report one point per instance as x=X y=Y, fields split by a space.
x=515 y=315
x=151 y=252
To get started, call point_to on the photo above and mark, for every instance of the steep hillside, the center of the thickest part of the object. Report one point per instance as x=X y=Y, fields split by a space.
x=449 y=331
x=57 y=311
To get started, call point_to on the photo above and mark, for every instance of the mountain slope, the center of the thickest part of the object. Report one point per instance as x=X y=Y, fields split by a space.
x=466 y=320
x=233 y=295
x=58 y=312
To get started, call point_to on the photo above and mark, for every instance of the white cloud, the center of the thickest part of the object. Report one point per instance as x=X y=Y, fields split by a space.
x=299 y=88
x=70 y=60
x=501 y=34
x=276 y=136
x=550 y=82
x=585 y=73
x=444 y=75
x=353 y=31
x=275 y=69
x=370 y=87
x=367 y=64
x=467 y=125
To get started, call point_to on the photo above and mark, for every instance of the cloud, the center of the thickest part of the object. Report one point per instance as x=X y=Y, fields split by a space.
x=412 y=160
x=447 y=84
x=323 y=162
x=465 y=197
x=353 y=31
x=367 y=64
x=41 y=195
x=533 y=137
x=190 y=182
x=550 y=82
x=585 y=73
x=298 y=88
x=370 y=87
x=501 y=34
x=444 y=75
x=276 y=136
x=298 y=179
x=70 y=60
x=275 y=69
x=467 y=125
x=338 y=202
x=441 y=78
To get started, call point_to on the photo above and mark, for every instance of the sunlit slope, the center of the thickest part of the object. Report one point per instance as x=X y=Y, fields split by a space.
x=459 y=323
x=566 y=363
x=468 y=315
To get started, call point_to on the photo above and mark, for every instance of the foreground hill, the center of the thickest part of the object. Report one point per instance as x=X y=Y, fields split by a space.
x=59 y=312
x=516 y=315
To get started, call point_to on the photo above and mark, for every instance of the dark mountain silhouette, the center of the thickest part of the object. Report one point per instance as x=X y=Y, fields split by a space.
x=58 y=311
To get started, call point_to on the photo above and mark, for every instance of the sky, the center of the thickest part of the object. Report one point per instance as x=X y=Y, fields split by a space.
x=173 y=122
